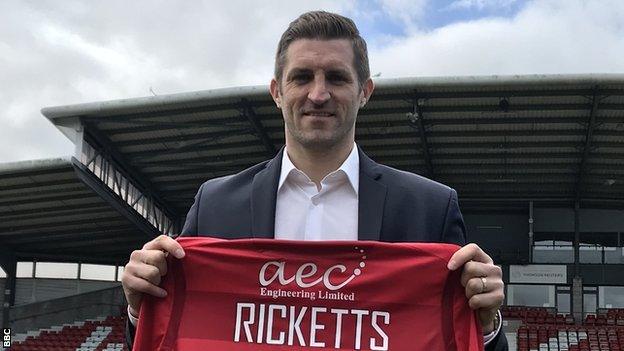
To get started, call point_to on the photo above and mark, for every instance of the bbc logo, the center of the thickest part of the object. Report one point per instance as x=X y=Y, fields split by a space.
x=6 y=338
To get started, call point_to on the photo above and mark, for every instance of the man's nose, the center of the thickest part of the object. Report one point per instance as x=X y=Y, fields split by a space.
x=319 y=92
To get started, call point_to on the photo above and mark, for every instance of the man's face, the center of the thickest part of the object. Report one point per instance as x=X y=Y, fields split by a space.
x=319 y=93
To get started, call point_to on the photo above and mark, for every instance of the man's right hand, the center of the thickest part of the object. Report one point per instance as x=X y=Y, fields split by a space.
x=143 y=272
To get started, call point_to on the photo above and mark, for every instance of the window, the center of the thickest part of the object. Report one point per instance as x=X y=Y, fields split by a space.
x=589 y=303
x=553 y=251
x=24 y=270
x=97 y=272
x=531 y=295
x=611 y=296
x=590 y=253
x=120 y=270
x=563 y=302
x=614 y=255
x=56 y=270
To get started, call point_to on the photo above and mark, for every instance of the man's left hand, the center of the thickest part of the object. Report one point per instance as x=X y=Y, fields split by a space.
x=483 y=282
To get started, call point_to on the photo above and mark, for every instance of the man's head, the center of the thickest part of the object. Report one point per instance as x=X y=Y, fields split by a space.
x=323 y=25
x=321 y=81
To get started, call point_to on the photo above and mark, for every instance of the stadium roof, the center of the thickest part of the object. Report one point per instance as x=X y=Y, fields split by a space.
x=499 y=140
x=48 y=214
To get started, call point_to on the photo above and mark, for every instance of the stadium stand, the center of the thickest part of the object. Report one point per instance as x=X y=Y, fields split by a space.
x=106 y=334
x=544 y=330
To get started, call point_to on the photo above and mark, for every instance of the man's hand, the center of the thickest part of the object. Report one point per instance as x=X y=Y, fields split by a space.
x=483 y=282
x=146 y=266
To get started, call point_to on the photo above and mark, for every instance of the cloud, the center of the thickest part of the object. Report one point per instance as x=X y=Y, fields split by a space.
x=480 y=4
x=408 y=12
x=80 y=51
x=77 y=51
x=544 y=37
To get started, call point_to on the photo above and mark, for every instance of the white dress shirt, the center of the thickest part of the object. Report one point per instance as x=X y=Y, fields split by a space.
x=305 y=212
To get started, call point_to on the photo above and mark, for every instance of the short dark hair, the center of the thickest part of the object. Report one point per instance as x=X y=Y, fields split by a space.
x=326 y=26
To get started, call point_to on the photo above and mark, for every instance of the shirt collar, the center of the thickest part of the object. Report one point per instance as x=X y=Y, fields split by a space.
x=350 y=166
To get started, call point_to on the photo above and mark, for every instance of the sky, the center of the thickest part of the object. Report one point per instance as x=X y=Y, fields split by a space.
x=71 y=51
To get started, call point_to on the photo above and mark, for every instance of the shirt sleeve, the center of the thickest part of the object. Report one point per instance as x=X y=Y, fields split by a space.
x=133 y=320
x=488 y=337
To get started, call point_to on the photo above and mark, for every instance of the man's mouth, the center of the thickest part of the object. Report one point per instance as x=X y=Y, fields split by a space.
x=318 y=114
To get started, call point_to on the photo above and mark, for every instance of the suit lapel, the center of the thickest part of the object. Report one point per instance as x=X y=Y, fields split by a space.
x=263 y=198
x=371 y=199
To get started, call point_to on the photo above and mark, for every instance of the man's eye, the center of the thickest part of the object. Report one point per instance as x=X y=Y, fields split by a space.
x=301 y=78
x=336 y=78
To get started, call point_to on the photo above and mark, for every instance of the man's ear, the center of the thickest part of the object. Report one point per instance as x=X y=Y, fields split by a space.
x=367 y=89
x=274 y=89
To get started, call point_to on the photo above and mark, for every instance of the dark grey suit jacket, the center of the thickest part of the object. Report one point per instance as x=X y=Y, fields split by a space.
x=394 y=206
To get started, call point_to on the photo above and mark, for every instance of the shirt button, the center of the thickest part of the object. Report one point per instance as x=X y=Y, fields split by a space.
x=315 y=201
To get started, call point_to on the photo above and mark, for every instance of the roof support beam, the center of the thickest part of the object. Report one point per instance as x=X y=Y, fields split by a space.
x=103 y=143
x=363 y=141
x=416 y=121
x=111 y=241
x=591 y=124
x=114 y=161
x=40 y=184
x=365 y=130
x=49 y=211
x=79 y=195
x=109 y=196
x=259 y=129
x=59 y=172
x=45 y=218
x=221 y=121
x=123 y=230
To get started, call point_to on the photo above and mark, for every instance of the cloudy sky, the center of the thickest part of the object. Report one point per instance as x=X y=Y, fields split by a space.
x=71 y=51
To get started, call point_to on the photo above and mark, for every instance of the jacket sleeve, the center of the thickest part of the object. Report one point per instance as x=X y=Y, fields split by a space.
x=130 y=331
x=499 y=343
x=454 y=230
x=192 y=217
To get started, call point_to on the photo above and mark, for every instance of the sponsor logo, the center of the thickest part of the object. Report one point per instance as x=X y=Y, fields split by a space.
x=308 y=275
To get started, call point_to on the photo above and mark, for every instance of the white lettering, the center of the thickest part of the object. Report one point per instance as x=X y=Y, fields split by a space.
x=384 y=336
x=327 y=281
x=260 y=323
x=358 y=326
x=307 y=270
x=239 y=315
x=338 y=312
x=294 y=326
x=6 y=338
x=314 y=327
x=279 y=274
x=280 y=339
x=278 y=324
x=300 y=275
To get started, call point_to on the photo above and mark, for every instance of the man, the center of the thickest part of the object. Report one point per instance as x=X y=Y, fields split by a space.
x=321 y=186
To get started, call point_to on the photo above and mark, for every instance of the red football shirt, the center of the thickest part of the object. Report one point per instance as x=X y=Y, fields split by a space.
x=265 y=294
